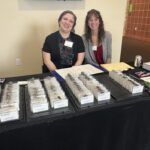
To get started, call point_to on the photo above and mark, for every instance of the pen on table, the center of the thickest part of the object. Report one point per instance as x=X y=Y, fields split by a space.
x=132 y=76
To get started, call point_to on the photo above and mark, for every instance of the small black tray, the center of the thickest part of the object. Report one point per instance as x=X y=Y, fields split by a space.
x=49 y=114
x=87 y=106
x=117 y=91
x=14 y=123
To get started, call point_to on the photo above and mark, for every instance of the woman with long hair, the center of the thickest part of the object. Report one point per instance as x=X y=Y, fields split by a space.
x=97 y=41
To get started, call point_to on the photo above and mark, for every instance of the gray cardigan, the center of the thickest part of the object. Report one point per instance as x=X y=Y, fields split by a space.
x=107 y=49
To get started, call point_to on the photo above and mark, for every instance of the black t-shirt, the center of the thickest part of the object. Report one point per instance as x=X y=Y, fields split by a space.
x=61 y=55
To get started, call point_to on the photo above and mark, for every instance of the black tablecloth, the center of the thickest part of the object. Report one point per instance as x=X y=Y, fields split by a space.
x=118 y=128
x=122 y=125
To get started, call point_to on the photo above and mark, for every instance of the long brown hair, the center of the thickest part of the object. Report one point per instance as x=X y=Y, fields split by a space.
x=87 y=30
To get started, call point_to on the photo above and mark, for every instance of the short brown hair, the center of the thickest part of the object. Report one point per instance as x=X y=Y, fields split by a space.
x=68 y=12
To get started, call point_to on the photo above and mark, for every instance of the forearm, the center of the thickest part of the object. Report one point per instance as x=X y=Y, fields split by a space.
x=47 y=61
x=109 y=55
x=80 y=59
x=108 y=60
x=50 y=65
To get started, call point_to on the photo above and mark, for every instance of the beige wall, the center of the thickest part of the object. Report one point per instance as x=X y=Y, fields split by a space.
x=25 y=23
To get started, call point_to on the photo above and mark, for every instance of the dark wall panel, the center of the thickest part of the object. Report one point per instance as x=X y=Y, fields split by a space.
x=132 y=47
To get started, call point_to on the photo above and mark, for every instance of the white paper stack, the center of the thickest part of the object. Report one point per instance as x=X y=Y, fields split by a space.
x=9 y=105
x=99 y=90
x=38 y=100
x=56 y=94
x=146 y=65
x=127 y=82
x=83 y=95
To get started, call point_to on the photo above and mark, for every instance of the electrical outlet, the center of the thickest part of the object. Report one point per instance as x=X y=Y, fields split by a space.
x=18 y=62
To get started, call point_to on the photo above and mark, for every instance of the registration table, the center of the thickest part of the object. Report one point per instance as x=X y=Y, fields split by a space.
x=123 y=123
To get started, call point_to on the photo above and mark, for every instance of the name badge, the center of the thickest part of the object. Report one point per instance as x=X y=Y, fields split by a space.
x=68 y=43
x=94 y=48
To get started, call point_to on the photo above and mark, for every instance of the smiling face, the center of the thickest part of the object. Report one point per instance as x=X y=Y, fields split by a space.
x=93 y=23
x=66 y=23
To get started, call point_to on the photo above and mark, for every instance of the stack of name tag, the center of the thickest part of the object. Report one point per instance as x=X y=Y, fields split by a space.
x=9 y=105
x=38 y=99
x=127 y=82
x=56 y=94
x=146 y=65
x=83 y=95
x=99 y=90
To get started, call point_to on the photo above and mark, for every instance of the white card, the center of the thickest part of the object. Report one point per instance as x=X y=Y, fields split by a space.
x=94 y=48
x=60 y=103
x=68 y=43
